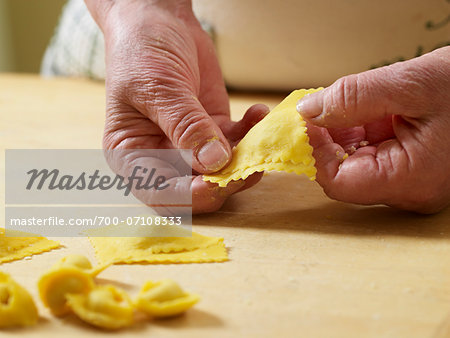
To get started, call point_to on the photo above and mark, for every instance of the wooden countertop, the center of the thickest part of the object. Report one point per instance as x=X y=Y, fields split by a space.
x=300 y=263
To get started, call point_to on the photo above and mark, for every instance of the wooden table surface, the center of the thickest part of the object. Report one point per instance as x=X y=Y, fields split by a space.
x=300 y=263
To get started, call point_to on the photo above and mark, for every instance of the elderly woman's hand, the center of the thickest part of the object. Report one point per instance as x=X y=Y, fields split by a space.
x=165 y=90
x=402 y=113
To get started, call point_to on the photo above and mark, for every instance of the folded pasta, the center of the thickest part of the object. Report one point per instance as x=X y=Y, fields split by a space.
x=279 y=142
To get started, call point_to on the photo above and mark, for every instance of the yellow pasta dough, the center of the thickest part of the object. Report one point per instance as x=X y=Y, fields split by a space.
x=164 y=298
x=17 y=308
x=57 y=283
x=79 y=262
x=14 y=248
x=195 y=249
x=104 y=306
x=73 y=260
x=279 y=142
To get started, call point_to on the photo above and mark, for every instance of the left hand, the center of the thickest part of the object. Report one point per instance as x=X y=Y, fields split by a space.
x=403 y=113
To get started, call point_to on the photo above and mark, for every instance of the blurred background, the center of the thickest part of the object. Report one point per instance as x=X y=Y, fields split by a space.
x=266 y=49
x=26 y=27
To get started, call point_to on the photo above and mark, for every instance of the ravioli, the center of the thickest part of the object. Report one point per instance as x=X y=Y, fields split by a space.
x=278 y=142
x=195 y=249
x=14 y=248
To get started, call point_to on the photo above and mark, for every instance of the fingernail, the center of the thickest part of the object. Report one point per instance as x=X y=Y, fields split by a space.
x=213 y=155
x=306 y=106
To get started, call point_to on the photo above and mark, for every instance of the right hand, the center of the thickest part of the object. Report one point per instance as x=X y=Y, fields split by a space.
x=165 y=90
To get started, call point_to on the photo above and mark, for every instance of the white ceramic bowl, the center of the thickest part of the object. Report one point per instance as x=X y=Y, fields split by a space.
x=286 y=44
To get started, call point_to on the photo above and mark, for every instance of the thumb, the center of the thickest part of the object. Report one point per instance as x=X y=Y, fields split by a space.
x=188 y=126
x=370 y=96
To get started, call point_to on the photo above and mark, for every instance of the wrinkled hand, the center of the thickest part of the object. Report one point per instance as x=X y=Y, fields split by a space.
x=403 y=112
x=165 y=90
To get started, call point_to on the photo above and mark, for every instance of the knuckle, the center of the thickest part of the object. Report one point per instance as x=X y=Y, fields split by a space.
x=344 y=98
x=150 y=93
x=108 y=141
x=421 y=85
x=187 y=128
x=149 y=87
x=123 y=128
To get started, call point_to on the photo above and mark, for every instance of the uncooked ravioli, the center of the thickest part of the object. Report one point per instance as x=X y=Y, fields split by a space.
x=195 y=249
x=279 y=142
x=14 y=248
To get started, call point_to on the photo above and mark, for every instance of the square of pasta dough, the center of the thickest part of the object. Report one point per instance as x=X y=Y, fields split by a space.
x=159 y=250
x=15 y=248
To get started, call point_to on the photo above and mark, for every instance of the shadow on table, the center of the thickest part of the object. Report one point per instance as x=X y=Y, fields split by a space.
x=287 y=201
x=194 y=318
x=333 y=218
x=43 y=324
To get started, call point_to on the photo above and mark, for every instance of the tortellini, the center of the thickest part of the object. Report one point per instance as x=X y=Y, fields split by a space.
x=69 y=287
x=104 y=306
x=17 y=308
x=80 y=262
x=73 y=260
x=58 y=282
x=164 y=298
